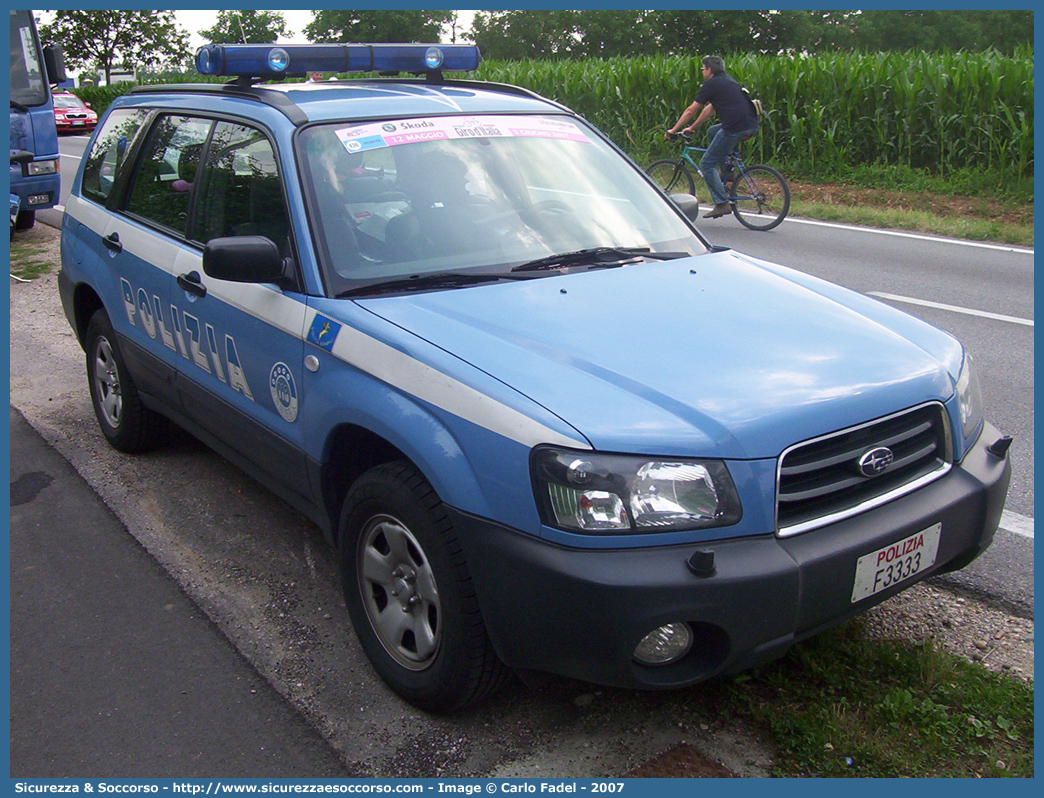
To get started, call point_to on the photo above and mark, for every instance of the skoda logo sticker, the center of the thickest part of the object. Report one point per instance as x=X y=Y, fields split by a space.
x=876 y=461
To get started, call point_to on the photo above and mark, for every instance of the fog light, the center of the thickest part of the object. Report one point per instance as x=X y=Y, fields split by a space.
x=664 y=645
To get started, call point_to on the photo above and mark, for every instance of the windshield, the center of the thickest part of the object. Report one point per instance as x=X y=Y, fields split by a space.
x=402 y=199
x=68 y=101
x=27 y=77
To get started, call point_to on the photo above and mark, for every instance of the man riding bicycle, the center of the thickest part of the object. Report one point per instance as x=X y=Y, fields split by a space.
x=721 y=93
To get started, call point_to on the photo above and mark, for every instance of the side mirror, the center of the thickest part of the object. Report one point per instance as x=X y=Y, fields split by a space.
x=246 y=259
x=688 y=205
x=54 y=64
x=21 y=156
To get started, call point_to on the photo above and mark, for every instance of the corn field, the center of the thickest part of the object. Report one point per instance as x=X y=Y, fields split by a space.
x=934 y=111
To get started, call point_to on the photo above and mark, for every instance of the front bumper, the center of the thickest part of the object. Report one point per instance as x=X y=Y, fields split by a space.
x=580 y=613
x=69 y=127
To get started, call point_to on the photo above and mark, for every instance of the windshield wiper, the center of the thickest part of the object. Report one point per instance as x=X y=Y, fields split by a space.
x=419 y=282
x=19 y=106
x=595 y=256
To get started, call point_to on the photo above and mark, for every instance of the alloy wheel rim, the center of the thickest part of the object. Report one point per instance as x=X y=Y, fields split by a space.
x=107 y=383
x=399 y=592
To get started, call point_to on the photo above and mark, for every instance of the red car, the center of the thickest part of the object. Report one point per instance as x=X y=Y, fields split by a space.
x=72 y=114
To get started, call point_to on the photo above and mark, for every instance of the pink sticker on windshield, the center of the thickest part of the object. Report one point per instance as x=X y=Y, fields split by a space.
x=441 y=128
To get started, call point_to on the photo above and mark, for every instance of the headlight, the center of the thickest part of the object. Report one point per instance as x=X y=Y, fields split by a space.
x=969 y=397
x=621 y=494
x=42 y=167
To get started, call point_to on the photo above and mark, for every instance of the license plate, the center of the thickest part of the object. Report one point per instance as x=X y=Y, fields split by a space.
x=881 y=569
x=78 y=122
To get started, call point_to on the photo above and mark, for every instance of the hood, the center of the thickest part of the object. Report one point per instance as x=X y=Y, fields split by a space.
x=717 y=356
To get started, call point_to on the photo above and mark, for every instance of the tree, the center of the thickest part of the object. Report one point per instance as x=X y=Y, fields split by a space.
x=102 y=39
x=512 y=35
x=700 y=33
x=246 y=27
x=609 y=33
x=377 y=26
x=936 y=30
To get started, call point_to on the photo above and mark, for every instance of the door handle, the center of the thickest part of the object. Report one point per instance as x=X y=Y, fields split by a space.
x=192 y=283
x=112 y=242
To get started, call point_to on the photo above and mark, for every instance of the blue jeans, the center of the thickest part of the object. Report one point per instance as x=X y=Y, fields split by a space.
x=721 y=144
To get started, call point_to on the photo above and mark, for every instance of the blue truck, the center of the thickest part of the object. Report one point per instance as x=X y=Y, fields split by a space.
x=35 y=176
x=547 y=426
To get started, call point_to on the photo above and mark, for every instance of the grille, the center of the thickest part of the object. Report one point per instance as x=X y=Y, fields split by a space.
x=820 y=481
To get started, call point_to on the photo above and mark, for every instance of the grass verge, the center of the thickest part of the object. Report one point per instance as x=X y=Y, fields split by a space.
x=988 y=230
x=842 y=705
x=969 y=204
x=29 y=259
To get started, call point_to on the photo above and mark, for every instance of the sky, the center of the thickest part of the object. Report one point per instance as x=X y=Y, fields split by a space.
x=194 y=21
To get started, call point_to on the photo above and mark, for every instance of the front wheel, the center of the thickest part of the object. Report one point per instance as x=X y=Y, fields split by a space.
x=760 y=197
x=672 y=177
x=409 y=593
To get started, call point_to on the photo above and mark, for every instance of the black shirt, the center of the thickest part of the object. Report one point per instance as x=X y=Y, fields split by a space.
x=730 y=102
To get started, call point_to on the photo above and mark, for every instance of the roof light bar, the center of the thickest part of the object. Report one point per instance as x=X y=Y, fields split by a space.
x=261 y=60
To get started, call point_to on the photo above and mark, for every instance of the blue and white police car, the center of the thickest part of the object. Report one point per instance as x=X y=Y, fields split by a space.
x=546 y=425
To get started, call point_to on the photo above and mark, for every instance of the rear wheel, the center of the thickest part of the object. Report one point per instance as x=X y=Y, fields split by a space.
x=126 y=423
x=761 y=197
x=672 y=177
x=409 y=593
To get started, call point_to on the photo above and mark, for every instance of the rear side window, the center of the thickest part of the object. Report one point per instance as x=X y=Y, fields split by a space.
x=167 y=171
x=109 y=153
x=241 y=192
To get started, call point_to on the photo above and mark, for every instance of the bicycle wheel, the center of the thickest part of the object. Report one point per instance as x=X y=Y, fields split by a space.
x=672 y=177
x=760 y=197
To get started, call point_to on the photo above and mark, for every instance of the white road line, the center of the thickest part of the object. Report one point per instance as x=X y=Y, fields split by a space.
x=1017 y=524
x=936 y=239
x=953 y=308
x=74 y=157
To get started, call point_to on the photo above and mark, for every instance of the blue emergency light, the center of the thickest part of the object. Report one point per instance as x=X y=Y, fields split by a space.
x=266 y=60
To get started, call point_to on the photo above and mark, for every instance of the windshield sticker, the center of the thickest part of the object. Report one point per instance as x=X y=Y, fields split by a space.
x=443 y=128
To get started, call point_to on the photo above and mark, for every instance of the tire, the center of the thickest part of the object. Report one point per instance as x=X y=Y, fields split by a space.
x=760 y=197
x=127 y=424
x=25 y=220
x=409 y=593
x=672 y=177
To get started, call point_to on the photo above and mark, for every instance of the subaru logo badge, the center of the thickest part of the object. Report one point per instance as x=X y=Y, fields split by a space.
x=876 y=461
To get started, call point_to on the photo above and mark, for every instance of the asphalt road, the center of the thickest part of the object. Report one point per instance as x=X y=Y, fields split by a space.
x=114 y=670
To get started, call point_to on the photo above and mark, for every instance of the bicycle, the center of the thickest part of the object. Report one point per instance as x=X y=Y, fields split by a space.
x=759 y=195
